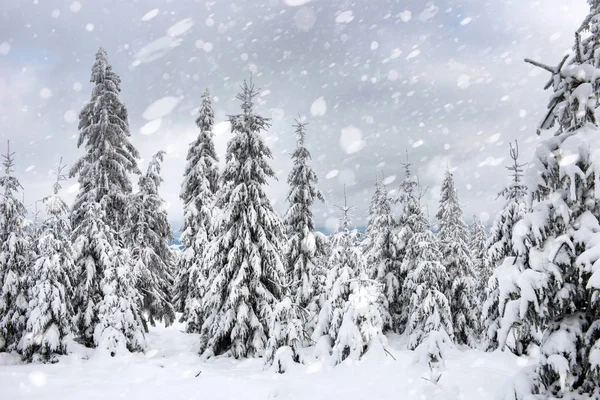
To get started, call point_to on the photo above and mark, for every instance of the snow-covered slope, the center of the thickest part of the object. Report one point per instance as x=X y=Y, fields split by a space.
x=171 y=369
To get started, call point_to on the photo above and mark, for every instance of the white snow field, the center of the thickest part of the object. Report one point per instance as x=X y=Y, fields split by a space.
x=171 y=369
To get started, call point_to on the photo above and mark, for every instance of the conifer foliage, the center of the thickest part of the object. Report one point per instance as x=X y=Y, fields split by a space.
x=428 y=308
x=246 y=256
x=286 y=335
x=557 y=241
x=350 y=315
x=454 y=237
x=411 y=221
x=304 y=247
x=120 y=323
x=106 y=300
x=49 y=311
x=381 y=249
x=198 y=192
x=478 y=243
x=15 y=257
x=499 y=248
x=103 y=172
x=149 y=235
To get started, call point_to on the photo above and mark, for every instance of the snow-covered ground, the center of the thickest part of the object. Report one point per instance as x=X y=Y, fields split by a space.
x=171 y=369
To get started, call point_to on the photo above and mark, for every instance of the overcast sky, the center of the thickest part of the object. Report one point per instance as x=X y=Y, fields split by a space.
x=443 y=80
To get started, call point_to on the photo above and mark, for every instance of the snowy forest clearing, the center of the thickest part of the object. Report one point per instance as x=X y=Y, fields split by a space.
x=170 y=368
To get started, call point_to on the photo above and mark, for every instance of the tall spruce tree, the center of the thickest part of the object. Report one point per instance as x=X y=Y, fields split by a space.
x=304 y=246
x=350 y=315
x=454 y=237
x=148 y=239
x=557 y=242
x=428 y=309
x=200 y=184
x=99 y=214
x=245 y=259
x=15 y=258
x=381 y=250
x=120 y=324
x=411 y=220
x=49 y=312
x=499 y=247
x=478 y=247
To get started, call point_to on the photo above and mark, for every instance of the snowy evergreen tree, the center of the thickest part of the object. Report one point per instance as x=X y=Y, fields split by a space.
x=411 y=221
x=499 y=247
x=106 y=299
x=148 y=239
x=361 y=328
x=500 y=240
x=286 y=335
x=15 y=259
x=245 y=259
x=478 y=247
x=120 y=324
x=426 y=278
x=381 y=249
x=49 y=313
x=304 y=246
x=33 y=224
x=557 y=242
x=103 y=172
x=198 y=191
x=90 y=252
x=99 y=214
x=318 y=285
x=350 y=315
x=456 y=256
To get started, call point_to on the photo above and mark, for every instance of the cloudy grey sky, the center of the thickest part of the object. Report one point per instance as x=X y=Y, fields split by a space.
x=443 y=80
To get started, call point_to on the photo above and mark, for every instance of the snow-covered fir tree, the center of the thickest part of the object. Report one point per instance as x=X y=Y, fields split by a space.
x=361 y=328
x=49 y=312
x=99 y=214
x=411 y=220
x=245 y=259
x=499 y=247
x=454 y=237
x=200 y=184
x=350 y=315
x=103 y=172
x=500 y=241
x=120 y=324
x=557 y=242
x=286 y=335
x=426 y=278
x=33 y=224
x=381 y=249
x=15 y=258
x=106 y=298
x=478 y=247
x=148 y=239
x=304 y=246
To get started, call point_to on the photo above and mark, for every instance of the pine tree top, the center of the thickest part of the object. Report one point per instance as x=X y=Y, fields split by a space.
x=302 y=181
x=102 y=71
x=449 y=205
x=247 y=94
x=206 y=115
x=60 y=176
x=9 y=182
x=345 y=218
